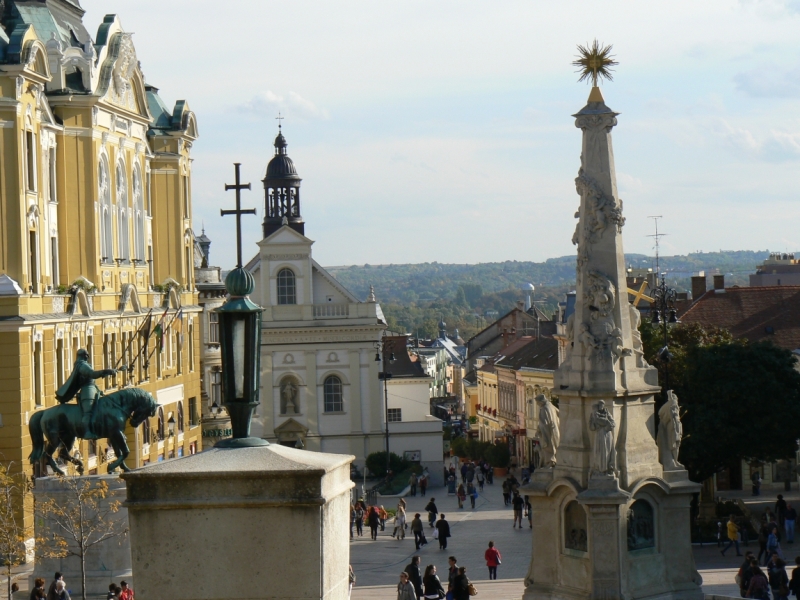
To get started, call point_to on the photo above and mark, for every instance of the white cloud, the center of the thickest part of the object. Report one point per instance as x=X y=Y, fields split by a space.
x=292 y=105
x=769 y=81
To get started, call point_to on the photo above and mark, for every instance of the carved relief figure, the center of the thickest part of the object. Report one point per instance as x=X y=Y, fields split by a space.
x=289 y=397
x=549 y=433
x=603 y=459
x=601 y=210
x=600 y=295
x=670 y=433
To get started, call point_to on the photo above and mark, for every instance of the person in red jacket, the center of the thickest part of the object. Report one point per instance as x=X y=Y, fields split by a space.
x=492 y=557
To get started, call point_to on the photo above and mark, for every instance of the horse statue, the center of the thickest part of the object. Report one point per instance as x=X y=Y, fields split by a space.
x=61 y=425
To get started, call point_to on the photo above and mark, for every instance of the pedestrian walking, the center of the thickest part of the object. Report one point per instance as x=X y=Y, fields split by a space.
x=778 y=580
x=763 y=534
x=60 y=593
x=756 y=479
x=443 y=529
x=412 y=482
x=472 y=492
x=461 y=585
x=374 y=521
x=794 y=583
x=38 y=589
x=461 y=494
x=507 y=491
x=359 y=517
x=432 y=511
x=431 y=586
x=52 y=589
x=451 y=575
x=492 y=557
x=780 y=510
x=352 y=519
x=790 y=520
x=489 y=474
x=423 y=484
x=383 y=515
x=464 y=473
x=480 y=477
x=400 y=523
x=759 y=585
x=529 y=512
x=414 y=575
x=733 y=537
x=419 y=531
x=518 y=503
x=773 y=545
x=405 y=589
x=113 y=591
x=745 y=573
x=126 y=592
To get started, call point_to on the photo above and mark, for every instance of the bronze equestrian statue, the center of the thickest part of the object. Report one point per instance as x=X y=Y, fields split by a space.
x=95 y=416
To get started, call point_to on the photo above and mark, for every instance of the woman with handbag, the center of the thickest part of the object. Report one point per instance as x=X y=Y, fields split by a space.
x=462 y=588
x=431 y=586
x=492 y=557
x=778 y=579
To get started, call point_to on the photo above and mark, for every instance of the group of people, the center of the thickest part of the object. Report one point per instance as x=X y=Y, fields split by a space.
x=58 y=590
x=375 y=517
x=757 y=581
x=415 y=585
x=414 y=481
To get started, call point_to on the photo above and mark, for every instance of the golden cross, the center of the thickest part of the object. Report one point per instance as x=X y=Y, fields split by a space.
x=640 y=295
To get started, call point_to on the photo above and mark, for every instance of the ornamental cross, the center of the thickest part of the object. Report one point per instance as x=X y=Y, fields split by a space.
x=238 y=186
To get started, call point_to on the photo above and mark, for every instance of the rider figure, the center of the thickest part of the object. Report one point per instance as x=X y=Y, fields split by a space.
x=81 y=383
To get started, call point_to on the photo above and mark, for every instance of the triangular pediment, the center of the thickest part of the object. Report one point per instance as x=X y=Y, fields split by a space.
x=287 y=235
x=332 y=281
x=291 y=426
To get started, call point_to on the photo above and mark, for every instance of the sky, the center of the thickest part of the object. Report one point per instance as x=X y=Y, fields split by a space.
x=441 y=131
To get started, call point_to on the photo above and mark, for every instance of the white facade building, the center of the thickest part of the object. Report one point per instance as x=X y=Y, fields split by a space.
x=319 y=380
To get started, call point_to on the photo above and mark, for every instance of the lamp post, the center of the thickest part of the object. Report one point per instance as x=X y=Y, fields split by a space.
x=664 y=314
x=385 y=355
x=240 y=337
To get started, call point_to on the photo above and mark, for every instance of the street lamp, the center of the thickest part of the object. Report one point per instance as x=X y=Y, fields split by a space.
x=664 y=314
x=171 y=425
x=215 y=409
x=384 y=352
x=240 y=337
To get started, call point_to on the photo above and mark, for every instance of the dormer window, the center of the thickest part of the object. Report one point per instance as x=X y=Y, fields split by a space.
x=287 y=289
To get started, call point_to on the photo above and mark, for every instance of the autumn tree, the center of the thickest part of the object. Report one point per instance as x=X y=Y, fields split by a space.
x=14 y=489
x=80 y=519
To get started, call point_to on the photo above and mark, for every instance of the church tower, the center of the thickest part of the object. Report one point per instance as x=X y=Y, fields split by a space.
x=282 y=191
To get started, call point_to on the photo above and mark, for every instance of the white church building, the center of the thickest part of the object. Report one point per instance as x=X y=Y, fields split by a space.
x=320 y=386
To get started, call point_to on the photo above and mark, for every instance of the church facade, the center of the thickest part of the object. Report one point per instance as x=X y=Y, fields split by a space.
x=320 y=385
x=95 y=230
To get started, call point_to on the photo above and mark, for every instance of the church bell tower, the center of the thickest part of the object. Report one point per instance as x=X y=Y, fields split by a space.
x=282 y=191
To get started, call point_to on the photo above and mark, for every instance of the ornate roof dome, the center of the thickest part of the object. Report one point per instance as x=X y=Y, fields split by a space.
x=240 y=282
x=281 y=166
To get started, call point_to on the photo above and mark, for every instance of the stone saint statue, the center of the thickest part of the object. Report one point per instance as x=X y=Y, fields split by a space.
x=81 y=384
x=549 y=433
x=289 y=397
x=670 y=432
x=604 y=455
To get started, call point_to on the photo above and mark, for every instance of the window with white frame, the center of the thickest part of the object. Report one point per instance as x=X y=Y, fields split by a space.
x=138 y=215
x=213 y=328
x=287 y=291
x=216 y=387
x=30 y=160
x=122 y=213
x=332 y=390
x=104 y=196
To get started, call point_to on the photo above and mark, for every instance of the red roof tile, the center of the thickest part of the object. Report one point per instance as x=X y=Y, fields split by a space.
x=754 y=313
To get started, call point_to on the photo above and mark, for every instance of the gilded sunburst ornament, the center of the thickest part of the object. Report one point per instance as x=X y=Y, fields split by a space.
x=595 y=62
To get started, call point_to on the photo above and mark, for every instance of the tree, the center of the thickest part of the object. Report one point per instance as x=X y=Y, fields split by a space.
x=376 y=463
x=739 y=402
x=78 y=521
x=14 y=489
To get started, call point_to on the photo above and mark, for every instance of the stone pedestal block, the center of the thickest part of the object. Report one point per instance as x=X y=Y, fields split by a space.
x=225 y=524
x=106 y=563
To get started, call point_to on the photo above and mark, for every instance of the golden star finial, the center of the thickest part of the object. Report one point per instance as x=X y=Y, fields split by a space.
x=595 y=62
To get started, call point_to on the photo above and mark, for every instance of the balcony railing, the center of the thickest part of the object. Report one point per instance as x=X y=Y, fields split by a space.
x=331 y=311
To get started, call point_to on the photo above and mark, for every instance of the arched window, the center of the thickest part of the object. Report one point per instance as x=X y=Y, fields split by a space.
x=104 y=196
x=122 y=213
x=160 y=430
x=333 y=394
x=138 y=215
x=146 y=432
x=641 y=526
x=180 y=417
x=287 y=290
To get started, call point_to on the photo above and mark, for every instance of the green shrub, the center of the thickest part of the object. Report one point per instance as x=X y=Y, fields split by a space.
x=376 y=463
x=498 y=455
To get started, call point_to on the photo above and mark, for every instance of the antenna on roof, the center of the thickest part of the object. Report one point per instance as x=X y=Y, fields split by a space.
x=657 y=237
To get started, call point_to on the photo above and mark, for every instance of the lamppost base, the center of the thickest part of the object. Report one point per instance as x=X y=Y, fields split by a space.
x=246 y=442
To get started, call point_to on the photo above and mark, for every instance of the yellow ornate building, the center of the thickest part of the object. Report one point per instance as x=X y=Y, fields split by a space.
x=95 y=229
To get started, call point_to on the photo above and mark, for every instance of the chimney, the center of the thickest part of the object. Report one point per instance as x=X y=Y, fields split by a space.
x=698 y=286
x=719 y=282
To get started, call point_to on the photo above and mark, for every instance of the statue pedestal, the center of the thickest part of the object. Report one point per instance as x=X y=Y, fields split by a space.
x=267 y=521
x=106 y=563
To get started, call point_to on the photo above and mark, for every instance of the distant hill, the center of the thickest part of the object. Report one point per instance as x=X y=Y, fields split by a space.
x=426 y=282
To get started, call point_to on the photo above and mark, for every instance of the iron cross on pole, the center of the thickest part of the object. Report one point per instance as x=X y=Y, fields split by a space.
x=238 y=212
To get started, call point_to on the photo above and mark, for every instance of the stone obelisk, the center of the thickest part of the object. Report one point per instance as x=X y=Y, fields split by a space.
x=609 y=521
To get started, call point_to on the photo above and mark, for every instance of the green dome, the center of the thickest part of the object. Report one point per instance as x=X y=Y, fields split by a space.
x=240 y=283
